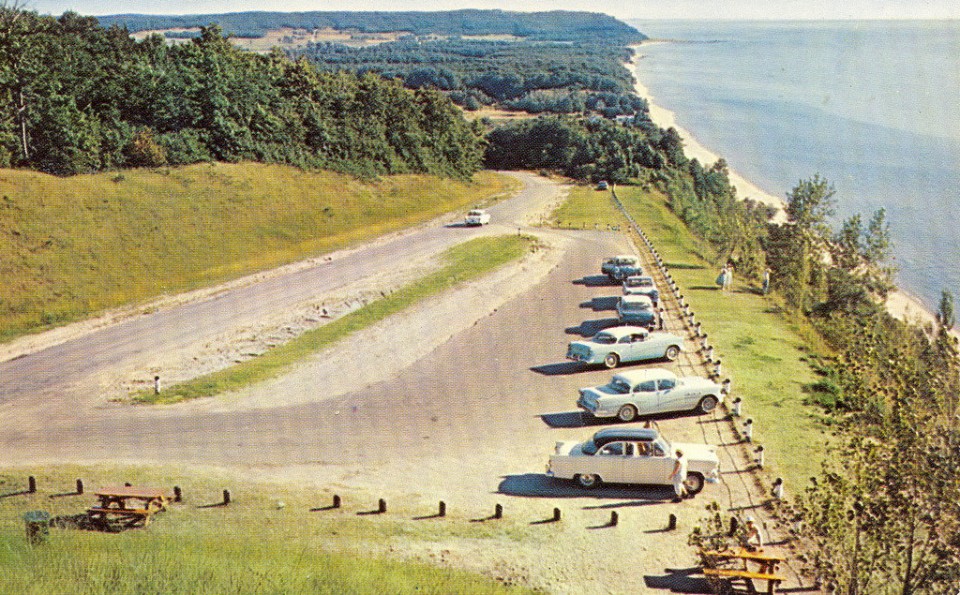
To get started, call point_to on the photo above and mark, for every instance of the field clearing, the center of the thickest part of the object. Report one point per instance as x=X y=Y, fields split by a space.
x=73 y=247
x=762 y=349
x=198 y=548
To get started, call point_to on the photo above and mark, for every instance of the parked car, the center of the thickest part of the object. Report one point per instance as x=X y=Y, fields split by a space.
x=620 y=267
x=602 y=185
x=622 y=344
x=637 y=310
x=477 y=217
x=634 y=456
x=641 y=285
x=653 y=390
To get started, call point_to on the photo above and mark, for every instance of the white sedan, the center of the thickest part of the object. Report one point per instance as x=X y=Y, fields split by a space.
x=645 y=392
x=477 y=217
x=634 y=456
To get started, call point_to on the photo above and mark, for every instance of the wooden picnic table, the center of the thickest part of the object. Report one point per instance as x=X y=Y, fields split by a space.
x=722 y=568
x=115 y=505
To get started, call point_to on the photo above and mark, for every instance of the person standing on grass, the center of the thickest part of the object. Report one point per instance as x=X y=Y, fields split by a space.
x=728 y=277
x=679 y=476
x=766 y=281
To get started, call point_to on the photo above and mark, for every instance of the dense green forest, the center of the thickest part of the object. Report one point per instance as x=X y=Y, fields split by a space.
x=556 y=25
x=518 y=75
x=78 y=97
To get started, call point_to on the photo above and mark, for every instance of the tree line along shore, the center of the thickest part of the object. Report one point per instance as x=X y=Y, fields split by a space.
x=883 y=514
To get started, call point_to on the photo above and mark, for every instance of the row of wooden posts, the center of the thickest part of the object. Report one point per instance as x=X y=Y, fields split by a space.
x=381 y=505
x=707 y=351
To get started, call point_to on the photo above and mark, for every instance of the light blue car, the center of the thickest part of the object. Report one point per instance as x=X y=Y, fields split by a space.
x=623 y=344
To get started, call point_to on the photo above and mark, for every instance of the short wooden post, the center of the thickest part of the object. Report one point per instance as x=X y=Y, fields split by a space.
x=672 y=522
x=80 y=487
x=614 y=518
x=336 y=501
x=226 y=497
x=32 y=484
x=177 y=494
x=382 y=506
x=498 y=511
x=556 y=514
x=443 y=509
x=734 y=525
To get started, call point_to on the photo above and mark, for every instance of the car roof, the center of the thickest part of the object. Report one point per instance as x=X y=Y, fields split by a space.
x=620 y=331
x=615 y=434
x=637 y=297
x=635 y=376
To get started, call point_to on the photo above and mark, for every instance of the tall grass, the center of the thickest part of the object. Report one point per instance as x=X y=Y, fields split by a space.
x=763 y=350
x=461 y=263
x=252 y=546
x=74 y=246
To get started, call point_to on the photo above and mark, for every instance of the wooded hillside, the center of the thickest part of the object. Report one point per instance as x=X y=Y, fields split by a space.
x=79 y=98
x=555 y=25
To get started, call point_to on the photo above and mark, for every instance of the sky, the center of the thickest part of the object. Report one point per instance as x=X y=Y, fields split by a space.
x=631 y=9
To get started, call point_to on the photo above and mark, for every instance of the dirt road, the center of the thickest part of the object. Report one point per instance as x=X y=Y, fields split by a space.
x=461 y=398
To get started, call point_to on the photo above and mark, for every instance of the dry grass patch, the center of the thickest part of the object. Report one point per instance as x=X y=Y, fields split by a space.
x=72 y=247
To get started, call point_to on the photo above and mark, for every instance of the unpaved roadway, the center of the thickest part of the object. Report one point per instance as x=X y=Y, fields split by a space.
x=461 y=399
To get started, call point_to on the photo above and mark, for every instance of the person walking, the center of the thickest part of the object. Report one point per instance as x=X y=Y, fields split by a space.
x=766 y=281
x=679 y=476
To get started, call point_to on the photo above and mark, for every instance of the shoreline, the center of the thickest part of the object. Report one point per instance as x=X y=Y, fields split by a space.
x=900 y=304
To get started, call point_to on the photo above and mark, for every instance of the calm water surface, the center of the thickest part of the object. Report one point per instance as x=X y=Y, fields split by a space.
x=872 y=106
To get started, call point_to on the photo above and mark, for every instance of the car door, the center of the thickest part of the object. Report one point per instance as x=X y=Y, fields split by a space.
x=644 y=346
x=644 y=397
x=610 y=461
x=626 y=349
x=648 y=465
x=669 y=397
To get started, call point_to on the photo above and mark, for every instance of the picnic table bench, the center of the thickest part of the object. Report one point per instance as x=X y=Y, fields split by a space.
x=113 y=505
x=724 y=568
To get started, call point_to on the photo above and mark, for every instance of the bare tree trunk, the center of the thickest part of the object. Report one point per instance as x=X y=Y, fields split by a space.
x=22 y=114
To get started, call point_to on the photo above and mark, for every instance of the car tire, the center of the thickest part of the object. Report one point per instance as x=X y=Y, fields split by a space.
x=587 y=481
x=611 y=361
x=672 y=353
x=694 y=483
x=707 y=404
x=627 y=413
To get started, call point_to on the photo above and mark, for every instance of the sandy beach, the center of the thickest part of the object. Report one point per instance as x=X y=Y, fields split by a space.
x=899 y=303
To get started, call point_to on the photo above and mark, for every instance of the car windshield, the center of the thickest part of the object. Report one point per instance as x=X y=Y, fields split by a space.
x=475 y=213
x=604 y=339
x=636 y=305
x=619 y=386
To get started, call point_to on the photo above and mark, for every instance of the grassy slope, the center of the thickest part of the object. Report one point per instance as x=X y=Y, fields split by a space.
x=763 y=351
x=74 y=246
x=192 y=549
x=462 y=262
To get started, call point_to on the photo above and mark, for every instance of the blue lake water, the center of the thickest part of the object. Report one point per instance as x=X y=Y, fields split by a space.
x=872 y=106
